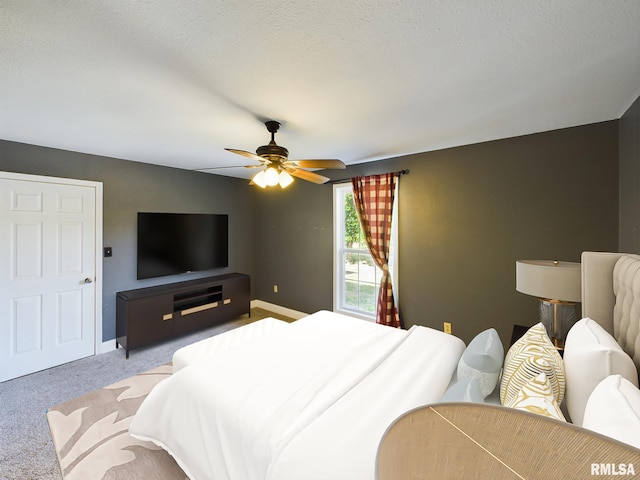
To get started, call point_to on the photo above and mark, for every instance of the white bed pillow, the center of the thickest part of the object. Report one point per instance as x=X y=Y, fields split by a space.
x=482 y=360
x=536 y=396
x=613 y=409
x=529 y=356
x=591 y=354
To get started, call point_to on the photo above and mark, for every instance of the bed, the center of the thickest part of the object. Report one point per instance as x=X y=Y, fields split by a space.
x=314 y=398
x=261 y=405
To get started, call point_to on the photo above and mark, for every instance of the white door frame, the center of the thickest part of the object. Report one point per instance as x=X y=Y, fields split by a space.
x=97 y=305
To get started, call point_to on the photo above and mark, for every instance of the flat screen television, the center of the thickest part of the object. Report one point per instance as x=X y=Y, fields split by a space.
x=174 y=243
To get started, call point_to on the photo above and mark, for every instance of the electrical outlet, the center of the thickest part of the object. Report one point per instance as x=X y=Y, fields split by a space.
x=275 y=289
x=447 y=328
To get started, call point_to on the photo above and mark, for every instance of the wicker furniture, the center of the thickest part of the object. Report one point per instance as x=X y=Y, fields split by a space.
x=466 y=440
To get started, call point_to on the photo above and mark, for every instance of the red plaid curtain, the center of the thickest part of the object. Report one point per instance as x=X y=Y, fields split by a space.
x=373 y=197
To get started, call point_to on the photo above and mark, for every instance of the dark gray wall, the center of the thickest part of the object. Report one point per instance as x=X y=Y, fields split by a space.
x=469 y=213
x=465 y=216
x=130 y=187
x=295 y=246
x=630 y=179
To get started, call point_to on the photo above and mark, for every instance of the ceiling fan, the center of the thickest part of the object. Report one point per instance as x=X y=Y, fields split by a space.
x=278 y=169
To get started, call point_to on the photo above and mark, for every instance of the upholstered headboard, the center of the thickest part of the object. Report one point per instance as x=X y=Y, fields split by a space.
x=611 y=296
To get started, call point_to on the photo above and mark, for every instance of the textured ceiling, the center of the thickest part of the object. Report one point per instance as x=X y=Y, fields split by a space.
x=173 y=82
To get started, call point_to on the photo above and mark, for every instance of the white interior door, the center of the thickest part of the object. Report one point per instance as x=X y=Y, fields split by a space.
x=47 y=274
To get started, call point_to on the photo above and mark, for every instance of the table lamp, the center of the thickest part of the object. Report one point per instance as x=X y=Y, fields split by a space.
x=558 y=286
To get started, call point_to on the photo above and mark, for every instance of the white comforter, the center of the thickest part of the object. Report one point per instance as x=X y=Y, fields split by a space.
x=311 y=402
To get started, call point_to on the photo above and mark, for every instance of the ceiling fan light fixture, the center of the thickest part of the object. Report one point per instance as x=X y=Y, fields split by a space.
x=284 y=179
x=275 y=160
x=259 y=180
x=271 y=176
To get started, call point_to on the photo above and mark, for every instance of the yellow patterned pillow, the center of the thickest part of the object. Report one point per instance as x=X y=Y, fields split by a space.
x=536 y=396
x=531 y=355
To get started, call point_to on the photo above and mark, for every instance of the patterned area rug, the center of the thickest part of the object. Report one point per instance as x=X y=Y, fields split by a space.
x=91 y=434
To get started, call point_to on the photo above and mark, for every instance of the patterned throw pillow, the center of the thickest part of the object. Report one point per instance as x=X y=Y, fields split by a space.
x=482 y=360
x=531 y=355
x=536 y=396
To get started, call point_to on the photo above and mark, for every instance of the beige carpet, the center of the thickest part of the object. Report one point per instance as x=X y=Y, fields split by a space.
x=26 y=446
x=91 y=434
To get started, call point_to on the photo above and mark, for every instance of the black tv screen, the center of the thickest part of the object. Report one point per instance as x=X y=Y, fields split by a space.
x=173 y=243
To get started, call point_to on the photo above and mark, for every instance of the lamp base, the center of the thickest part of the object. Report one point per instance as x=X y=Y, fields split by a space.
x=557 y=317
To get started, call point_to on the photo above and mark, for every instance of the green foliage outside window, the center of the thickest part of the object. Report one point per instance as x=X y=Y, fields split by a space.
x=352 y=229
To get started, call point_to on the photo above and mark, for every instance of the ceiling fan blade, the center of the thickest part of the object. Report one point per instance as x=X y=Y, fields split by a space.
x=244 y=153
x=319 y=163
x=308 y=176
x=226 y=166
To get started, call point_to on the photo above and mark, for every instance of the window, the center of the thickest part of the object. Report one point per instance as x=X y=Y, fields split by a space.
x=356 y=276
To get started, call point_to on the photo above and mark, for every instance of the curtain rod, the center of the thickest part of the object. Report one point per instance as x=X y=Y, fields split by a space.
x=398 y=173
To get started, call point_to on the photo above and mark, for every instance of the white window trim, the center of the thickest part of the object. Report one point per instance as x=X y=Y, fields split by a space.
x=338 y=273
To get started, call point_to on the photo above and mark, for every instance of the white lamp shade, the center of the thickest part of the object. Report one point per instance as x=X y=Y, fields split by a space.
x=549 y=279
x=259 y=180
x=271 y=176
x=284 y=179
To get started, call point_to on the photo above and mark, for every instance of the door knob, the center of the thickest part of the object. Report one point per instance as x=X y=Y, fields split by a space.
x=88 y=280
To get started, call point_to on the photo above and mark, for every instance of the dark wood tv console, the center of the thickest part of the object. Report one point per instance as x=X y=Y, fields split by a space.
x=153 y=314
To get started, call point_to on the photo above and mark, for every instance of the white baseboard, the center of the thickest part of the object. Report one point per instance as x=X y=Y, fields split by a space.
x=105 y=347
x=287 y=312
